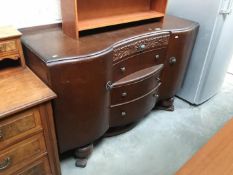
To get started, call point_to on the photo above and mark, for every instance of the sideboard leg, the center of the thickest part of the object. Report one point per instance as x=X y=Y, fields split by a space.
x=82 y=154
x=167 y=105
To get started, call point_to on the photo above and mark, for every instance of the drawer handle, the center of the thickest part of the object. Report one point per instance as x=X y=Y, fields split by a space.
x=123 y=114
x=158 y=79
x=109 y=85
x=1 y=135
x=157 y=57
x=123 y=69
x=172 y=60
x=5 y=164
x=124 y=94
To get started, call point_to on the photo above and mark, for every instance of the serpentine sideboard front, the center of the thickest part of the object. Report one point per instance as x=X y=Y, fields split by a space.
x=108 y=79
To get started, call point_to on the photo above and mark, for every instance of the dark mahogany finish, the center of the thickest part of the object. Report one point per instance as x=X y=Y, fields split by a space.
x=111 y=78
x=135 y=85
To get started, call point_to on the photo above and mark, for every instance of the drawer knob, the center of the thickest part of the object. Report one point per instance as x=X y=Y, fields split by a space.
x=123 y=69
x=5 y=163
x=142 y=47
x=157 y=57
x=124 y=94
x=158 y=79
x=172 y=60
x=123 y=114
x=156 y=95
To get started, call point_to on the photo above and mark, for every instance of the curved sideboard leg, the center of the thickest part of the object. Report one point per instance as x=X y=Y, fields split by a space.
x=82 y=154
x=167 y=104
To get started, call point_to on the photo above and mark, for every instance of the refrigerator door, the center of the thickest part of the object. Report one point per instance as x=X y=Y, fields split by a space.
x=220 y=61
x=203 y=64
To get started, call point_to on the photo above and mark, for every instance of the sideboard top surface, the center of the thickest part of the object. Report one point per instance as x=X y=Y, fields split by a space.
x=52 y=45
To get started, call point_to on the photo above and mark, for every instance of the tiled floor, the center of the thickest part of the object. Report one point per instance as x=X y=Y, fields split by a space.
x=162 y=142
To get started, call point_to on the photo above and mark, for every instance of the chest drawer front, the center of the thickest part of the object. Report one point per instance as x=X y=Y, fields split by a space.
x=140 y=44
x=41 y=167
x=21 y=154
x=19 y=126
x=133 y=111
x=130 y=90
x=138 y=62
x=8 y=46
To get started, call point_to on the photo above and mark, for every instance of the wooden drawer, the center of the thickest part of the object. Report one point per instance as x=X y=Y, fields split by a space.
x=135 y=85
x=40 y=167
x=8 y=47
x=20 y=155
x=133 y=46
x=19 y=126
x=138 y=62
x=134 y=110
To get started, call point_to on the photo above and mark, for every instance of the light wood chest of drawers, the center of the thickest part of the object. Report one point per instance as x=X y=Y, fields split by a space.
x=10 y=45
x=27 y=139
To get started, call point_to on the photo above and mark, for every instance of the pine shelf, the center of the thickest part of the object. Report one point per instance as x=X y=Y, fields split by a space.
x=81 y=15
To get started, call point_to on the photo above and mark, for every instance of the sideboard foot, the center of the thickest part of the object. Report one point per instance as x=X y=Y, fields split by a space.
x=82 y=154
x=167 y=105
x=81 y=163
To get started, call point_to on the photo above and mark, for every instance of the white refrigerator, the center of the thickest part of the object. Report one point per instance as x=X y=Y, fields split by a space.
x=213 y=49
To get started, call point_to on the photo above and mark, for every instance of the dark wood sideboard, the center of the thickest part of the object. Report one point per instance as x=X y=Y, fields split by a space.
x=109 y=79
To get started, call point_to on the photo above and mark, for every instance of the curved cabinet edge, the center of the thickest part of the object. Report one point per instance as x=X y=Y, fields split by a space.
x=178 y=55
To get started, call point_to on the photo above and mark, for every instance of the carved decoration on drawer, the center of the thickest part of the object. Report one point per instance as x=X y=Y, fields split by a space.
x=157 y=41
x=8 y=46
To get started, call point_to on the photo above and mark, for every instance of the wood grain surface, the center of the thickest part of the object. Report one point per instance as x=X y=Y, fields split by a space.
x=81 y=15
x=25 y=90
x=215 y=158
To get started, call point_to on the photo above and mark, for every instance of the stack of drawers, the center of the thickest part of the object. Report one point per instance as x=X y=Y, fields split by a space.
x=27 y=138
x=137 y=67
x=27 y=135
x=21 y=143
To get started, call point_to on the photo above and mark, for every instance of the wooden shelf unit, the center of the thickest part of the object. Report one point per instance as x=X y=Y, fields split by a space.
x=80 y=15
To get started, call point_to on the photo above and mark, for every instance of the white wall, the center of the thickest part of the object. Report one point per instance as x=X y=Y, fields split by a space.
x=25 y=13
